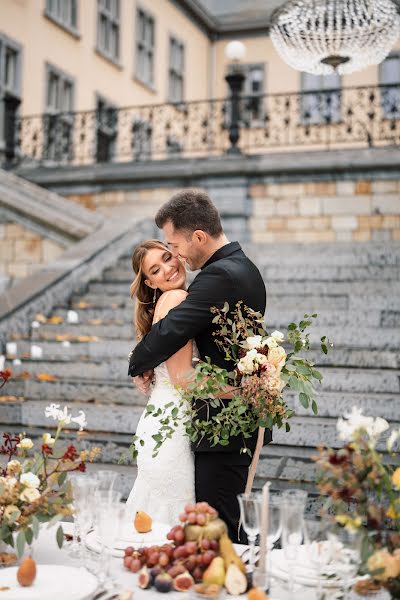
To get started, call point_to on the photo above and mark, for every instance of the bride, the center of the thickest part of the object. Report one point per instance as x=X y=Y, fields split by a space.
x=165 y=483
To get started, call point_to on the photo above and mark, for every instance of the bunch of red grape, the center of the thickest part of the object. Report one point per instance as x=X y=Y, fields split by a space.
x=180 y=555
x=198 y=514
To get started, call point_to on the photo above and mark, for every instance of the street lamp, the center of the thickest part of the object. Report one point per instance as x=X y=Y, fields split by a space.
x=235 y=52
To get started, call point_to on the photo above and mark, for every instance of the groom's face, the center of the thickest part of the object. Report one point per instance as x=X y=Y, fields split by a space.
x=185 y=245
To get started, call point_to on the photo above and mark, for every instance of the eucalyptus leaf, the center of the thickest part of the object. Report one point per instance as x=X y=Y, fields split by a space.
x=60 y=536
x=20 y=543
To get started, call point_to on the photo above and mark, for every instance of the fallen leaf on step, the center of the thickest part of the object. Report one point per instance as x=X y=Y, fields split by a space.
x=24 y=375
x=56 y=320
x=46 y=377
x=87 y=338
x=95 y=322
x=63 y=337
x=41 y=318
x=4 y=399
x=82 y=304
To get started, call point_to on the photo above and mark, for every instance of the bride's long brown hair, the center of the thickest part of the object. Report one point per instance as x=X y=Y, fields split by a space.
x=146 y=297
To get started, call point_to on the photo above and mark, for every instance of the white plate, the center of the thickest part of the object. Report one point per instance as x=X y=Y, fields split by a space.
x=304 y=573
x=157 y=536
x=52 y=581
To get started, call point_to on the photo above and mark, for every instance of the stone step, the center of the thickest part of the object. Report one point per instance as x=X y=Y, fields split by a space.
x=345 y=253
x=76 y=391
x=330 y=403
x=107 y=347
x=367 y=287
x=335 y=379
x=296 y=272
x=350 y=336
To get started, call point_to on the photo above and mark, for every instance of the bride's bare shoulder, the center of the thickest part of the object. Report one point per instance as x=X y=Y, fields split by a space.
x=169 y=300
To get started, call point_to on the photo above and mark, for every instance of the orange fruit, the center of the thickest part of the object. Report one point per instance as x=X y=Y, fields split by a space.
x=142 y=522
x=256 y=594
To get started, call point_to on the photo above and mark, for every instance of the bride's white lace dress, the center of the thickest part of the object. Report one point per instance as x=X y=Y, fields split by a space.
x=165 y=483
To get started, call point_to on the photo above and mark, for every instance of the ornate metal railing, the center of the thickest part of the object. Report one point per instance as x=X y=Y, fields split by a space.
x=329 y=119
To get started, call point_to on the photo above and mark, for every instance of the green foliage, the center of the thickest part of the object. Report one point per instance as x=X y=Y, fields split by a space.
x=239 y=414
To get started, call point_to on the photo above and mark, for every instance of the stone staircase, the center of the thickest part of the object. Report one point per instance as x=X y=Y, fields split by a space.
x=355 y=290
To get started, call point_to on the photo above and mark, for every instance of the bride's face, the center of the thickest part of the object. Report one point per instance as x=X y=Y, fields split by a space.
x=163 y=271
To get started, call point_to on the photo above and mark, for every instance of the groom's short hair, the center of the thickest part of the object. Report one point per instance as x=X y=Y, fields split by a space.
x=190 y=210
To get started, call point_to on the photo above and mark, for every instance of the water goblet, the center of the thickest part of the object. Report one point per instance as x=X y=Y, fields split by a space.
x=250 y=518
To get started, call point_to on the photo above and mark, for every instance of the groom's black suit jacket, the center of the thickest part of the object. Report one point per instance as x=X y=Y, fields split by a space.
x=228 y=276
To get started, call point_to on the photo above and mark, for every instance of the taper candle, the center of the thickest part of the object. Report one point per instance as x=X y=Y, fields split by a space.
x=262 y=560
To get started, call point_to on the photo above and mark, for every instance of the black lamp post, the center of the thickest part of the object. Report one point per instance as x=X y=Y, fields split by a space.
x=235 y=52
x=11 y=104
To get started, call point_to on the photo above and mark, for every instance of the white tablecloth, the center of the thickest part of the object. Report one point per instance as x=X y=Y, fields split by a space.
x=46 y=551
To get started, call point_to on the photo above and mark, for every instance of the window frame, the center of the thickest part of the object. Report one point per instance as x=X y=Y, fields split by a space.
x=309 y=92
x=173 y=39
x=70 y=28
x=102 y=127
x=113 y=20
x=16 y=91
x=386 y=114
x=149 y=84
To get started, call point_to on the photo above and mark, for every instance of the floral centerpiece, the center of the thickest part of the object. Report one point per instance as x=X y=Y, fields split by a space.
x=250 y=396
x=33 y=482
x=362 y=491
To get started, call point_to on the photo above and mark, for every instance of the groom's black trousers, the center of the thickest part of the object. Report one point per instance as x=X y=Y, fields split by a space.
x=219 y=478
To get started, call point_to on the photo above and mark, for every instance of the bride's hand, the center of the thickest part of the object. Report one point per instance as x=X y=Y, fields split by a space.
x=143 y=381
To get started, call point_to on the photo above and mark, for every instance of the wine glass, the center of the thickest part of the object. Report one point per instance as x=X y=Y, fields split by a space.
x=83 y=489
x=250 y=518
x=348 y=544
x=106 y=479
x=110 y=520
x=319 y=551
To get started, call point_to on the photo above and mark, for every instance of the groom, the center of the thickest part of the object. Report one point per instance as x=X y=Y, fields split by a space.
x=192 y=228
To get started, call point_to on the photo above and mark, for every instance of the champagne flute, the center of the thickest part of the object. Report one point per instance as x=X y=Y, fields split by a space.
x=250 y=518
x=83 y=488
x=293 y=528
x=110 y=520
x=261 y=574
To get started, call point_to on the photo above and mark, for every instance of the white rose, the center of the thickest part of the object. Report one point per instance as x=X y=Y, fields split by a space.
x=278 y=336
x=277 y=357
x=271 y=342
x=261 y=359
x=12 y=512
x=25 y=444
x=253 y=342
x=13 y=467
x=48 y=440
x=246 y=366
x=30 y=480
x=29 y=495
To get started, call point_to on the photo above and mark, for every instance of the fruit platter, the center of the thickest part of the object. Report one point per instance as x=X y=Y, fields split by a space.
x=197 y=555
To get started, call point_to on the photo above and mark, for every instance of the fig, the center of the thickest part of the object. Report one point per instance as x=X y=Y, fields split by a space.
x=176 y=570
x=163 y=583
x=183 y=582
x=143 y=579
x=153 y=573
x=26 y=572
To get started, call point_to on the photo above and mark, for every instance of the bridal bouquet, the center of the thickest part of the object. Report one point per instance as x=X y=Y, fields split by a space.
x=362 y=489
x=33 y=486
x=262 y=369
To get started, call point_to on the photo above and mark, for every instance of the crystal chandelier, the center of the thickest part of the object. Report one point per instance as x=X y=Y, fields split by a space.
x=323 y=36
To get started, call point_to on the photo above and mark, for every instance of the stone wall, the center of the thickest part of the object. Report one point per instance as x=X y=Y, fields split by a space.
x=325 y=211
x=304 y=211
x=23 y=251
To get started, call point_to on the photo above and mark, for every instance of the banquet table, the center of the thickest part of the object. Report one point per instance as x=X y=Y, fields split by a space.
x=46 y=551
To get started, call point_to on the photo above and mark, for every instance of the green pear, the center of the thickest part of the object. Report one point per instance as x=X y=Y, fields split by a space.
x=215 y=573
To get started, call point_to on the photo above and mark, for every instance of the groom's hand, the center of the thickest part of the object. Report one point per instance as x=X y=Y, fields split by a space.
x=143 y=381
